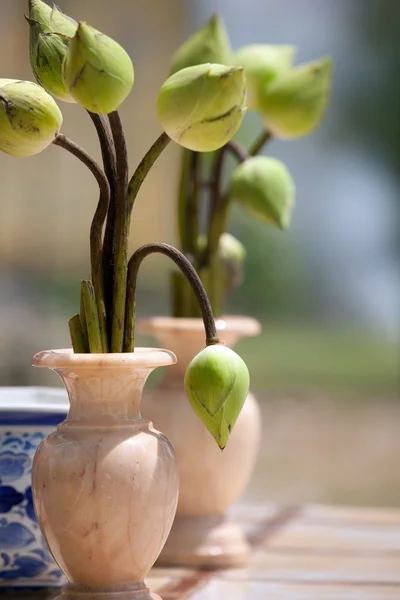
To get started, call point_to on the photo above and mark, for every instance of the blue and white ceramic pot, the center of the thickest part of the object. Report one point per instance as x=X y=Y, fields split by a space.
x=27 y=415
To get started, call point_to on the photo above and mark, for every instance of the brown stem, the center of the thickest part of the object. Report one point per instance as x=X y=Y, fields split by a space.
x=263 y=138
x=120 y=234
x=190 y=273
x=110 y=167
x=95 y=229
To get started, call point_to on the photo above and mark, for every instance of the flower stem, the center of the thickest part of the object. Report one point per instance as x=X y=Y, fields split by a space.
x=77 y=337
x=182 y=199
x=110 y=168
x=192 y=206
x=144 y=167
x=260 y=142
x=95 y=229
x=190 y=273
x=120 y=235
x=91 y=317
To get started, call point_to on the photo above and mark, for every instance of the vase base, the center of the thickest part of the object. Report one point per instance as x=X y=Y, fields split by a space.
x=208 y=541
x=137 y=592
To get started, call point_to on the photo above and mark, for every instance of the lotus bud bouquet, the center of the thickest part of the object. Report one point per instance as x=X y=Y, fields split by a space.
x=290 y=101
x=200 y=107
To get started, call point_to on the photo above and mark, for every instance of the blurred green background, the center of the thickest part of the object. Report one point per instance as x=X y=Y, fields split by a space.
x=326 y=368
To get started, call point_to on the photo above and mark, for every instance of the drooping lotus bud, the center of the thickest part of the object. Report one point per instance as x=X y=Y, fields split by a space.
x=210 y=44
x=262 y=64
x=98 y=72
x=293 y=105
x=29 y=118
x=50 y=34
x=264 y=186
x=202 y=107
x=217 y=383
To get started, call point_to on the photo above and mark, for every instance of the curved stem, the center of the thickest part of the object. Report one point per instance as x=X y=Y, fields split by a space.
x=263 y=138
x=144 y=167
x=238 y=151
x=190 y=273
x=120 y=234
x=110 y=167
x=95 y=229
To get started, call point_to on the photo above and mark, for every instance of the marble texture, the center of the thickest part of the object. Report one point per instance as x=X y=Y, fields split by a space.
x=105 y=484
x=210 y=480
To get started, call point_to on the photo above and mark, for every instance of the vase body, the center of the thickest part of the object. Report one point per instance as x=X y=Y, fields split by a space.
x=210 y=480
x=27 y=416
x=105 y=484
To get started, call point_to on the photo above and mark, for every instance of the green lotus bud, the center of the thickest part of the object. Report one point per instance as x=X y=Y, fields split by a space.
x=210 y=44
x=232 y=253
x=97 y=72
x=50 y=34
x=217 y=383
x=202 y=107
x=294 y=104
x=262 y=64
x=29 y=118
x=264 y=186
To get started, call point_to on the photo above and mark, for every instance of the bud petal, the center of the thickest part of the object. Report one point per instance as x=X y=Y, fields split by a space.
x=40 y=11
x=47 y=53
x=294 y=104
x=98 y=73
x=262 y=64
x=202 y=107
x=264 y=186
x=210 y=44
x=217 y=383
x=29 y=118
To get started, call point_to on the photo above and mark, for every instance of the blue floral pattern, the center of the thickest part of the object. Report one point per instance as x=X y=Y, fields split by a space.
x=24 y=556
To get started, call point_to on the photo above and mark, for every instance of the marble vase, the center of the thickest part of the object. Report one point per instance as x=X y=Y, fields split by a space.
x=105 y=484
x=210 y=480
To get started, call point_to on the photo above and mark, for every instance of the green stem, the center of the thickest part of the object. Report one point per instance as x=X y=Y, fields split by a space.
x=110 y=168
x=91 y=317
x=190 y=273
x=258 y=145
x=121 y=231
x=82 y=318
x=95 y=229
x=182 y=198
x=192 y=206
x=144 y=167
x=77 y=337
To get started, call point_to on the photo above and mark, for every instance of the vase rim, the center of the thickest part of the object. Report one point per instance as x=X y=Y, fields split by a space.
x=231 y=323
x=60 y=358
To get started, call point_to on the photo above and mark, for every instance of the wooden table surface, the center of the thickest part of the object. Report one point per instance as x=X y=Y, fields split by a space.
x=299 y=553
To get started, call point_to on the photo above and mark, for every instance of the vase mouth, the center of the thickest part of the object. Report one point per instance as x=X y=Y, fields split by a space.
x=61 y=358
x=238 y=324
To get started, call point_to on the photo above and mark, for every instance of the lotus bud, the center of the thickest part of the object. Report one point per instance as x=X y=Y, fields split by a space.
x=217 y=383
x=209 y=44
x=264 y=186
x=97 y=72
x=232 y=253
x=293 y=105
x=202 y=107
x=29 y=118
x=262 y=63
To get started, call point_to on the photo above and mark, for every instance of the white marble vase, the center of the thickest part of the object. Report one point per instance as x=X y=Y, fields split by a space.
x=210 y=480
x=105 y=484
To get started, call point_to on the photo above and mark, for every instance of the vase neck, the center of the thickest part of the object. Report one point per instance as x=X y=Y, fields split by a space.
x=104 y=396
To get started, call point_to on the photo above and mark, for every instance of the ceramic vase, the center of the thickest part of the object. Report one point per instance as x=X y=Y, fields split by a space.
x=27 y=416
x=211 y=480
x=105 y=484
